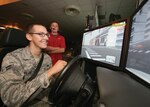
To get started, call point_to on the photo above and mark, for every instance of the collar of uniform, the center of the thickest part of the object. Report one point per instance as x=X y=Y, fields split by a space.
x=27 y=54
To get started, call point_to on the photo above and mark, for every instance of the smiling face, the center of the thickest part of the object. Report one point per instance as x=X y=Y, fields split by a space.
x=38 y=37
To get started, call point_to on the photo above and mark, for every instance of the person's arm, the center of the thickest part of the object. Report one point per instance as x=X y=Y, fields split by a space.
x=59 y=65
x=14 y=91
x=59 y=49
x=51 y=49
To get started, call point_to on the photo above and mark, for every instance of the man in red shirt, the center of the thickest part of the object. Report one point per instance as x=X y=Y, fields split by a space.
x=56 y=44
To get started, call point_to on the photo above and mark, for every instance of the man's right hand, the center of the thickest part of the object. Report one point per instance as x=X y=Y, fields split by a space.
x=58 y=67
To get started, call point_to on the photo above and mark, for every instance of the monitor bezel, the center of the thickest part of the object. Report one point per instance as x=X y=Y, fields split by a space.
x=121 y=65
x=138 y=78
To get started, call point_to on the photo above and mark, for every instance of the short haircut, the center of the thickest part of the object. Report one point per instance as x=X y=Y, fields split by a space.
x=29 y=27
x=54 y=22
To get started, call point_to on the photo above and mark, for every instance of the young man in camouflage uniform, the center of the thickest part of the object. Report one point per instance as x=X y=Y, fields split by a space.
x=19 y=65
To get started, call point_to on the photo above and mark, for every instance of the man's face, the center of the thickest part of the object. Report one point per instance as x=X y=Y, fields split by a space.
x=39 y=37
x=54 y=27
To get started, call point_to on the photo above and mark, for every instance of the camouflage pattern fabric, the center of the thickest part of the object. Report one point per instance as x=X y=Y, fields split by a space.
x=17 y=67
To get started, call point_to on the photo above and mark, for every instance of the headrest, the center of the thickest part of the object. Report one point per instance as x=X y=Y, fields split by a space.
x=11 y=37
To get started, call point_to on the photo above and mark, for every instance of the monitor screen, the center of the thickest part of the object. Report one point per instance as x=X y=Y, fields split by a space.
x=104 y=44
x=138 y=60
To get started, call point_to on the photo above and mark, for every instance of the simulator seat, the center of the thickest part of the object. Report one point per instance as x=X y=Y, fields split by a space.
x=11 y=39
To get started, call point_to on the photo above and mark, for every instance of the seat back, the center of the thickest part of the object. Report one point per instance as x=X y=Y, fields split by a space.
x=10 y=40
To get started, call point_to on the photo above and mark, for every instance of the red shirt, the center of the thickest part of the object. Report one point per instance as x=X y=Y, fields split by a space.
x=56 y=41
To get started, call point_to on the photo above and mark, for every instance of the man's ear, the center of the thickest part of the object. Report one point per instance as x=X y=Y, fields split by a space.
x=29 y=37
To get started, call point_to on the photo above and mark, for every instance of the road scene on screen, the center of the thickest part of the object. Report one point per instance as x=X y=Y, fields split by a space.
x=104 y=44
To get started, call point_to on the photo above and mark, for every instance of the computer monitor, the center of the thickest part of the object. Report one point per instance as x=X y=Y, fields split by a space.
x=104 y=44
x=138 y=58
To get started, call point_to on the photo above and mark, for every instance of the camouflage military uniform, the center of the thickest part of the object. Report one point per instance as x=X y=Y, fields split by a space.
x=17 y=67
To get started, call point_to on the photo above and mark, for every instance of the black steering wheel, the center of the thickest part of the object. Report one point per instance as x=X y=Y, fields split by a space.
x=69 y=82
